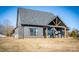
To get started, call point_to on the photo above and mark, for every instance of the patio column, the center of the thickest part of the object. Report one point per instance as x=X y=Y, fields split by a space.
x=65 y=32
x=46 y=32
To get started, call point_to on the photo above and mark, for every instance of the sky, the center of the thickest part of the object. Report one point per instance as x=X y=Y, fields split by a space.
x=68 y=14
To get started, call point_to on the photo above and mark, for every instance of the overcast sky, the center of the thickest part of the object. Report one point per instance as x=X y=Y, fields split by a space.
x=68 y=14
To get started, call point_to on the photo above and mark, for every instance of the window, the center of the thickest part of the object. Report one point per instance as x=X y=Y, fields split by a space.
x=33 y=31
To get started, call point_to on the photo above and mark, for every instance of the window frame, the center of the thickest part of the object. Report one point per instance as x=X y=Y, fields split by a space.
x=33 y=31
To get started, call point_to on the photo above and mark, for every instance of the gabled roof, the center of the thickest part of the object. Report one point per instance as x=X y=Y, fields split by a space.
x=34 y=17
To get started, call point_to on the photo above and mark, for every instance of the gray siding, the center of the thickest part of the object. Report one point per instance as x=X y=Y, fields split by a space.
x=20 y=32
x=38 y=34
x=24 y=32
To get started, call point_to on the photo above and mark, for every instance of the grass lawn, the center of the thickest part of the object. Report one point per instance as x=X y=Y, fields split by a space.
x=39 y=44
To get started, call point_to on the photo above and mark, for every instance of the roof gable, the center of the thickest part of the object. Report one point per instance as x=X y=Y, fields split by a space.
x=57 y=22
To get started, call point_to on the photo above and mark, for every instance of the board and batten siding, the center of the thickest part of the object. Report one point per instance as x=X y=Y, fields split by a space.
x=27 y=34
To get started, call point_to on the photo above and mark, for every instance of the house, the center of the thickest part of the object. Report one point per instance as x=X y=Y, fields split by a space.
x=33 y=23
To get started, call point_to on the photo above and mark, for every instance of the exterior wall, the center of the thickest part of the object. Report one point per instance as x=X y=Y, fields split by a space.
x=27 y=32
x=24 y=32
x=20 y=32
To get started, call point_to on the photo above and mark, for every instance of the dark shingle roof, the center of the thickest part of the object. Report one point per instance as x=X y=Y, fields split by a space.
x=34 y=17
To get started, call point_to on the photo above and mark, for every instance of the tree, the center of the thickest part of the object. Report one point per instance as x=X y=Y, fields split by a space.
x=8 y=28
x=74 y=33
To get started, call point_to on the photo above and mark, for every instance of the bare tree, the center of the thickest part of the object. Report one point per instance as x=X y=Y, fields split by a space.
x=8 y=28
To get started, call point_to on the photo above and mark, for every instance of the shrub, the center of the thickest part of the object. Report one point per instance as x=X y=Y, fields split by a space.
x=74 y=34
